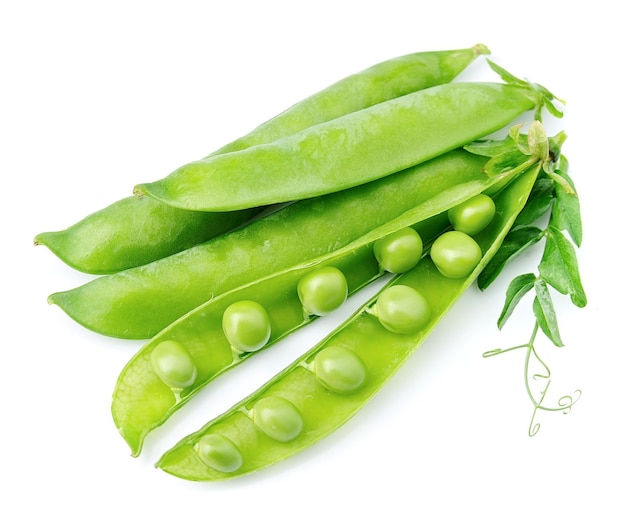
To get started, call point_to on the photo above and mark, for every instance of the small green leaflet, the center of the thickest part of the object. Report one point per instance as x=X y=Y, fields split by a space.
x=518 y=288
x=566 y=212
x=559 y=267
x=545 y=313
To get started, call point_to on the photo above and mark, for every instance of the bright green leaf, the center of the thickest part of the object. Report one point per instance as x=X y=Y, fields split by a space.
x=545 y=313
x=539 y=202
x=513 y=245
x=566 y=213
x=517 y=289
x=559 y=267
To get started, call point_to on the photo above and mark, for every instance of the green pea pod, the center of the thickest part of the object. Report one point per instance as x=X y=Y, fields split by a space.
x=348 y=151
x=139 y=302
x=325 y=387
x=135 y=231
x=142 y=400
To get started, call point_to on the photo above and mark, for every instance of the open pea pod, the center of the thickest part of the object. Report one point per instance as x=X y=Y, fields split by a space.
x=198 y=345
x=135 y=231
x=326 y=386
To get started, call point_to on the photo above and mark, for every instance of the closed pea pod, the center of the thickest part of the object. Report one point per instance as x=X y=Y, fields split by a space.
x=345 y=152
x=139 y=390
x=323 y=410
x=140 y=302
x=135 y=231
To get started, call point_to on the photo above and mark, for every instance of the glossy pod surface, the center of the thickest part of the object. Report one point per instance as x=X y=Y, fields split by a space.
x=135 y=231
x=348 y=151
x=142 y=400
x=381 y=351
x=140 y=302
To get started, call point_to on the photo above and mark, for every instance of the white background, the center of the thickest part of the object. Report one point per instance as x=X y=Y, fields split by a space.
x=98 y=96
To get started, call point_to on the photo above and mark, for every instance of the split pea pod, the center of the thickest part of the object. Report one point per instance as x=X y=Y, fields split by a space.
x=328 y=385
x=138 y=303
x=348 y=151
x=145 y=398
x=135 y=231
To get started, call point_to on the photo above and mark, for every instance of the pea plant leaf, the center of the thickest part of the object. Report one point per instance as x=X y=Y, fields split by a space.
x=491 y=148
x=539 y=202
x=543 y=307
x=559 y=266
x=517 y=289
x=566 y=213
x=516 y=242
x=508 y=162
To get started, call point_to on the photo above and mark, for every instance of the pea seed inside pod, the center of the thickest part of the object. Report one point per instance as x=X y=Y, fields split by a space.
x=455 y=254
x=473 y=215
x=246 y=326
x=399 y=251
x=173 y=364
x=278 y=418
x=340 y=370
x=322 y=290
x=219 y=453
x=402 y=309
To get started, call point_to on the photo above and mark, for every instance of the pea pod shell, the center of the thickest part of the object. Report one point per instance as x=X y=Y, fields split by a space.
x=348 y=151
x=140 y=302
x=382 y=351
x=135 y=231
x=141 y=401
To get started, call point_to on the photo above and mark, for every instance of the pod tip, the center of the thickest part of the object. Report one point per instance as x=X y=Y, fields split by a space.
x=480 y=49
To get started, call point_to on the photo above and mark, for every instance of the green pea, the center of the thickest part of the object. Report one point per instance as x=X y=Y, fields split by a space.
x=246 y=325
x=402 y=309
x=173 y=364
x=322 y=290
x=219 y=452
x=340 y=370
x=473 y=215
x=455 y=254
x=399 y=251
x=278 y=418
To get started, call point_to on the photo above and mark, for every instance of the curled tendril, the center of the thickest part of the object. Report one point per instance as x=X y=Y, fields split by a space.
x=564 y=404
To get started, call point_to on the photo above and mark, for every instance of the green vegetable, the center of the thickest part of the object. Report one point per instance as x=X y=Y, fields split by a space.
x=400 y=251
x=472 y=216
x=319 y=406
x=350 y=150
x=322 y=290
x=455 y=254
x=135 y=231
x=140 y=302
x=402 y=309
x=246 y=326
x=142 y=401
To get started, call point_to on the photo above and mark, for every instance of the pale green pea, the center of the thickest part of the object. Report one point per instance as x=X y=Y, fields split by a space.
x=473 y=215
x=400 y=251
x=278 y=418
x=340 y=370
x=246 y=325
x=402 y=309
x=455 y=254
x=173 y=364
x=322 y=290
x=219 y=452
